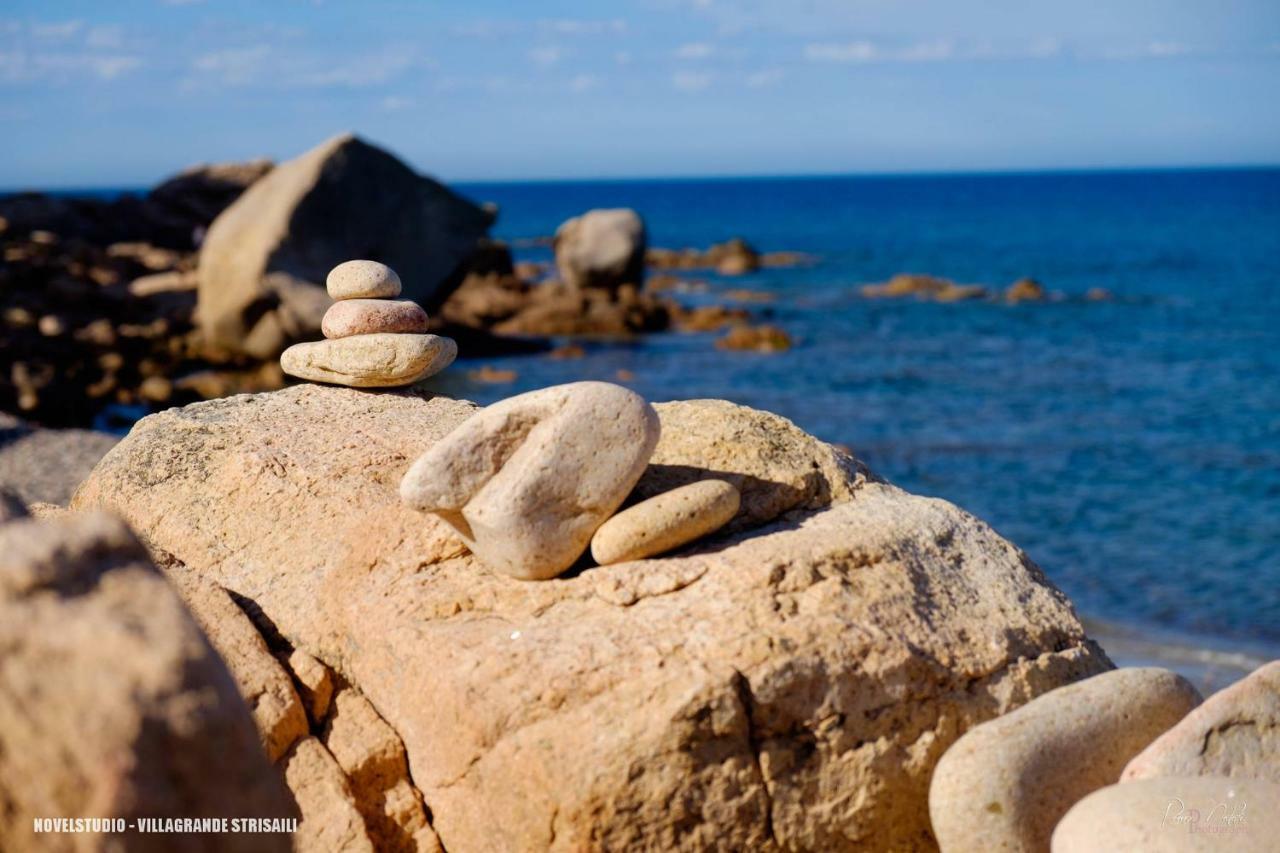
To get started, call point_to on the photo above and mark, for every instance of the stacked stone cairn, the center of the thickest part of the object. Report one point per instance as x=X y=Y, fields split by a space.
x=529 y=483
x=372 y=339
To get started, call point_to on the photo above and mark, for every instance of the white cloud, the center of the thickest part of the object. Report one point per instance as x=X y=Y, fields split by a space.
x=690 y=81
x=546 y=56
x=854 y=51
x=765 y=78
x=862 y=51
x=395 y=103
x=59 y=31
x=695 y=50
x=574 y=27
x=622 y=57
x=930 y=51
x=263 y=64
x=105 y=37
x=23 y=66
x=1151 y=50
x=1166 y=48
x=584 y=83
x=236 y=66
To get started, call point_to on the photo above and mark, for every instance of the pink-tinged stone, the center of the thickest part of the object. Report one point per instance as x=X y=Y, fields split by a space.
x=368 y=316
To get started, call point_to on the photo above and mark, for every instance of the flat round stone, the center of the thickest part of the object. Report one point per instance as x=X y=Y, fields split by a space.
x=666 y=521
x=368 y=316
x=370 y=361
x=363 y=280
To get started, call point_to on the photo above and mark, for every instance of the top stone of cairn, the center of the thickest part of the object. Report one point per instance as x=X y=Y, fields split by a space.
x=363 y=280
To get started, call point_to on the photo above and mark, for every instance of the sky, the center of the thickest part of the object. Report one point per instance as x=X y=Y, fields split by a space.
x=97 y=94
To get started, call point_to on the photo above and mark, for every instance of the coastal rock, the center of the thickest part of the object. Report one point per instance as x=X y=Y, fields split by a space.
x=1174 y=815
x=734 y=257
x=1235 y=732
x=527 y=481
x=1025 y=290
x=265 y=686
x=370 y=361
x=46 y=465
x=330 y=820
x=1005 y=783
x=344 y=198
x=11 y=507
x=792 y=689
x=665 y=522
x=315 y=683
x=776 y=467
x=372 y=756
x=924 y=287
x=369 y=316
x=112 y=704
x=601 y=248
x=362 y=280
x=763 y=338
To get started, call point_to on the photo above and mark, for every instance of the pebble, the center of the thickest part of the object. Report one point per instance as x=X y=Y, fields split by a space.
x=1236 y=732
x=1006 y=782
x=363 y=280
x=527 y=481
x=1173 y=815
x=367 y=316
x=370 y=361
x=666 y=521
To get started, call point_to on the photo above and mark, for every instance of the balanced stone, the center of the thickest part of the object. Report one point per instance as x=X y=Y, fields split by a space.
x=527 y=481
x=363 y=280
x=366 y=316
x=666 y=521
x=1005 y=783
x=1236 y=732
x=370 y=361
x=1173 y=815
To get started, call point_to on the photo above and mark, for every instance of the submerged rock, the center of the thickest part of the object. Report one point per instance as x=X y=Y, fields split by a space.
x=791 y=689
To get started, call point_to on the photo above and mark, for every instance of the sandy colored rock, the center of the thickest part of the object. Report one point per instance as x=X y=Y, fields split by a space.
x=330 y=820
x=372 y=756
x=370 y=361
x=1173 y=815
x=1005 y=784
x=793 y=689
x=112 y=704
x=315 y=683
x=264 y=684
x=601 y=249
x=527 y=481
x=776 y=466
x=1235 y=732
x=367 y=316
x=362 y=280
x=666 y=521
x=264 y=260
x=46 y=465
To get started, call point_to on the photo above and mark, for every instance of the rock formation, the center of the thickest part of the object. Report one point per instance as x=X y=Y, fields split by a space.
x=790 y=687
x=265 y=256
x=601 y=249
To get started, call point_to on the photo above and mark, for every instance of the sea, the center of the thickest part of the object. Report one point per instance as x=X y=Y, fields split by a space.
x=1131 y=447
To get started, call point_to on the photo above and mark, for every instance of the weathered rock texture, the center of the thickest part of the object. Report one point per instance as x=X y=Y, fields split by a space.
x=112 y=704
x=370 y=361
x=1236 y=732
x=601 y=249
x=266 y=256
x=330 y=820
x=792 y=689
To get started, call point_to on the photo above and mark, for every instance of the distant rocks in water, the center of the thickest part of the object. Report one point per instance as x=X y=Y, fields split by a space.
x=764 y=338
x=730 y=258
x=601 y=249
x=1025 y=290
x=509 y=306
x=265 y=256
x=924 y=287
x=1099 y=294
x=1174 y=815
x=526 y=482
x=372 y=342
x=1005 y=783
x=666 y=521
x=1235 y=732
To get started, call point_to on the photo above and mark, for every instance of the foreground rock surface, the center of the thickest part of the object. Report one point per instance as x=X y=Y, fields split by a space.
x=1236 y=732
x=1172 y=815
x=792 y=689
x=264 y=261
x=112 y=704
x=1005 y=784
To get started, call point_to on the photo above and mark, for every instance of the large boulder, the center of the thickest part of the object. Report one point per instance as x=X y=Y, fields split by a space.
x=789 y=684
x=112 y=703
x=264 y=260
x=601 y=248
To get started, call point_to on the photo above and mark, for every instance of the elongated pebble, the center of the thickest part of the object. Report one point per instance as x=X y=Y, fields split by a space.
x=666 y=521
x=367 y=316
x=363 y=280
x=370 y=361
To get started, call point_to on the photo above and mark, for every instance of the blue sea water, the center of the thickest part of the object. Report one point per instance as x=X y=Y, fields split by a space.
x=1131 y=447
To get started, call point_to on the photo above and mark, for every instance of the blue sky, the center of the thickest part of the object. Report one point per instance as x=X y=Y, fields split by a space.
x=122 y=93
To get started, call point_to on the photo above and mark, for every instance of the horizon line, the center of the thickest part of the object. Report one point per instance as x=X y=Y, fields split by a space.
x=736 y=176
